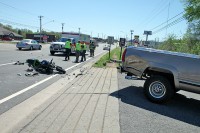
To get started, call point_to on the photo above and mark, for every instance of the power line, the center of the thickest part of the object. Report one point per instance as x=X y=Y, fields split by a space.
x=27 y=12
x=152 y=17
x=18 y=24
x=17 y=9
x=167 y=17
x=21 y=25
x=169 y=25
x=154 y=11
x=168 y=20
x=12 y=17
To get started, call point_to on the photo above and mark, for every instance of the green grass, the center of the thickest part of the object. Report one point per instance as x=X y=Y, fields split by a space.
x=114 y=54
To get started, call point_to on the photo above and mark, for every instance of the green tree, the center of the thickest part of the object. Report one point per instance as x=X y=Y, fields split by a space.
x=192 y=14
x=19 y=32
x=192 y=9
x=173 y=44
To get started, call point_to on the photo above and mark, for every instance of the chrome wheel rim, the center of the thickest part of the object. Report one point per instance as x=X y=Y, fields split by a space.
x=157 y=89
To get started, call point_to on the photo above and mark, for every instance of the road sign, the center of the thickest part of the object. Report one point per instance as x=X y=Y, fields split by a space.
x=122 y=42
x=110 y=39
x=147 y=32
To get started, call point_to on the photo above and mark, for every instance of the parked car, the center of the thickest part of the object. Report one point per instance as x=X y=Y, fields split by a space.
x=7 y=39
x=106 y=47
x=28 y=44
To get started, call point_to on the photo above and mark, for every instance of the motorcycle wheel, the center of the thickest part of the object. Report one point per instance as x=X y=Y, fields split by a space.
x=60 y=69
x=49 y=71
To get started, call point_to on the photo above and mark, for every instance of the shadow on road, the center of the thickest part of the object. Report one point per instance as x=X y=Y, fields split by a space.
x=180 y=107
x=58 y=54
x=63 y=54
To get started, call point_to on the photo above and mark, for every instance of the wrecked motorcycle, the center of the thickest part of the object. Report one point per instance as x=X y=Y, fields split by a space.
x=44 y=66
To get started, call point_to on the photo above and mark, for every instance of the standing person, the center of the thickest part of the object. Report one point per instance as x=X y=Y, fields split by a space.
x=83 y=51
x=78 y=49
x=67 y=49
x=92 y=48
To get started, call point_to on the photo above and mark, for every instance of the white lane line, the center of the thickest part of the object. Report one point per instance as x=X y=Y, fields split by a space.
x=6 y=64
x=36 y=84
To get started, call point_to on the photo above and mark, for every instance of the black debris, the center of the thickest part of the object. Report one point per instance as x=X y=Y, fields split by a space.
x=19 y=63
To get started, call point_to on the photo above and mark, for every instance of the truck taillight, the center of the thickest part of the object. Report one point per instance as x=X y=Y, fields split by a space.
x=123 y=55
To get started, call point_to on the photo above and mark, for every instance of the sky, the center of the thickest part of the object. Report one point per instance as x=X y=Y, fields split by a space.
x=98 y=18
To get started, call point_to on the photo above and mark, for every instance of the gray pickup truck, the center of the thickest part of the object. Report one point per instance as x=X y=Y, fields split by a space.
x=165 y=72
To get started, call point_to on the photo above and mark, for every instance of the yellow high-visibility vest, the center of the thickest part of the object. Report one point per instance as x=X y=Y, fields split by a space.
x=67 y=44
x=78 y=46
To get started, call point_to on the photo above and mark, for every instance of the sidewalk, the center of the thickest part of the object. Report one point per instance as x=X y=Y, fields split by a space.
x=80 y=105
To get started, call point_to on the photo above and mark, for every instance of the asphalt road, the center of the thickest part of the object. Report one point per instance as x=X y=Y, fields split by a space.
x=12 y=77
x=138 y=115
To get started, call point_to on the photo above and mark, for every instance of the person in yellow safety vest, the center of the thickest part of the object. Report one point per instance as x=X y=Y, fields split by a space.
x=83 y=51
x=67 y=49
x=78 y=50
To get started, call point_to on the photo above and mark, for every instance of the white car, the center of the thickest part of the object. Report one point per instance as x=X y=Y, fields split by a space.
x=106 y=47
x=28 y=44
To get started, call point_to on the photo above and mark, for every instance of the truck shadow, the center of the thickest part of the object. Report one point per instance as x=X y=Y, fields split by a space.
x=180 y=107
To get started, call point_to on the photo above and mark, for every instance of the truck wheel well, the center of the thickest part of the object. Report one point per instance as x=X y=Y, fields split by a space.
x=169 y=75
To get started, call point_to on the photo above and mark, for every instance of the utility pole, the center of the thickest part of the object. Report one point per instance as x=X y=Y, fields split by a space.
x=40 y=26
x=167 y=18
x=91 y=34
x=79 y=30
x=131 y=37
x=63 y=26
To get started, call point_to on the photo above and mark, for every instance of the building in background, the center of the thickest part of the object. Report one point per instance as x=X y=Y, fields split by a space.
x=44 y=37
x=7 y=35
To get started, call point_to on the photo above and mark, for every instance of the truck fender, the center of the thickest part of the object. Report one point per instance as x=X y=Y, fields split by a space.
x=154 y=66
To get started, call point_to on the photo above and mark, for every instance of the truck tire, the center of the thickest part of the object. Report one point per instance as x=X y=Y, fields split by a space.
x=158 y=89
x=52 y=52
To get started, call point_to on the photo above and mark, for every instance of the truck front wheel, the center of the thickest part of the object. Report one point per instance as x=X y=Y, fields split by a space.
x=158 y=89
x=52 y=52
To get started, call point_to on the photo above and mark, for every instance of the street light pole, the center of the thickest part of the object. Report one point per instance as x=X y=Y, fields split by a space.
x=79 y=30
x=62 y=26
x=131 y=36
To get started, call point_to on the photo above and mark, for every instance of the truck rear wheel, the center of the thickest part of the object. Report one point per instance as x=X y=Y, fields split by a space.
x=158 y=89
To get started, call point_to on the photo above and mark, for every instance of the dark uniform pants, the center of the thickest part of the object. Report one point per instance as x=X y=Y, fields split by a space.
x=77 y=56
x=83 y=55
x=91 y=52
x=68 y=51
